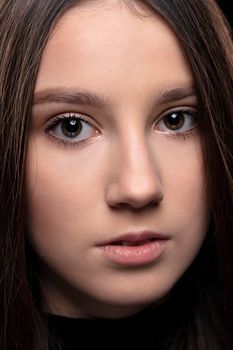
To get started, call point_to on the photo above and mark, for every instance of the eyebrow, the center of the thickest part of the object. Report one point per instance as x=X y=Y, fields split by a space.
x=85 y=97
x=75 y=97
x=175 y=94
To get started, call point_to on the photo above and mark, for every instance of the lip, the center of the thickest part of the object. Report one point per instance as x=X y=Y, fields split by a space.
x=135 y=237
x=149 y=251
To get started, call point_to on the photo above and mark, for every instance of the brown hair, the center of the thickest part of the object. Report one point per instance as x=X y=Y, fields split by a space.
x=205 y=291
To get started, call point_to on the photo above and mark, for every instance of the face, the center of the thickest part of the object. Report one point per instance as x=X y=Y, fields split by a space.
x=117 y=209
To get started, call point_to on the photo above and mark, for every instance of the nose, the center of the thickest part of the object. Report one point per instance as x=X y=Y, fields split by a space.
x=135 y=181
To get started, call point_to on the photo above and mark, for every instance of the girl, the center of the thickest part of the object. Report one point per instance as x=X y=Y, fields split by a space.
x=116 y=174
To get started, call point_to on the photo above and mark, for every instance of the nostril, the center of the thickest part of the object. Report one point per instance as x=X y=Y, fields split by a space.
x=136 y=206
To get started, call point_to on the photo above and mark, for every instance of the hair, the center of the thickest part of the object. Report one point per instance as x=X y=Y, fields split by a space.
x=205 y=291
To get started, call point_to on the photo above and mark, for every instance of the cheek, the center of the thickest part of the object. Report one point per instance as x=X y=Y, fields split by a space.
x=61 y=194
x=186 y=207
x=182 y=176
x=63 y=177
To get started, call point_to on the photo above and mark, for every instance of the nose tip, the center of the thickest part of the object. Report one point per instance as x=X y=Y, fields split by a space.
x=136 y=189
x=135 y=197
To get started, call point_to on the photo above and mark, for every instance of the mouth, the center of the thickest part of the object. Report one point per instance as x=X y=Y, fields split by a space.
x=135 y=249
x=132 y=244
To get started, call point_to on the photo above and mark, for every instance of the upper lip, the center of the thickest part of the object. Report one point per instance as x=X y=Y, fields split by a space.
x=135 y=237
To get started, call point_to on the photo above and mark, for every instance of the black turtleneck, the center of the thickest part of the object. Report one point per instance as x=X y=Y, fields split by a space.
x=148 y=329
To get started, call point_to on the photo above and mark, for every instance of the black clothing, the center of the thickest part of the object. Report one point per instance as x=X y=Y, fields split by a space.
x=148 y=329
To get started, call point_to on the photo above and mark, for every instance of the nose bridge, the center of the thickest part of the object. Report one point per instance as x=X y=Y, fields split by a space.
x=137 y=181
x=138 y=165
x=135 y=154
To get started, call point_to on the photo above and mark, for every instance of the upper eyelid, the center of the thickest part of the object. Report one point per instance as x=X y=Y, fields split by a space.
x=185 y=109
x=179 y=108
x=70 y=115
x=62 y=116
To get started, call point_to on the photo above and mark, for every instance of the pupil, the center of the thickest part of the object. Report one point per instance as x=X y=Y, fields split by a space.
x=71 y=127
x=173 y=119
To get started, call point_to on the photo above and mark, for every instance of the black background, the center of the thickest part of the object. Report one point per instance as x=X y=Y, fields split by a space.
x=225 y=5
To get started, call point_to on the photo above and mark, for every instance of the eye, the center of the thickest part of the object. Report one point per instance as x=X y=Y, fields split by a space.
x=71 y=128
x=179 y=121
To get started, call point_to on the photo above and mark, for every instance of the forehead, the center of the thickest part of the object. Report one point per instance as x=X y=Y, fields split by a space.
x=101 y=44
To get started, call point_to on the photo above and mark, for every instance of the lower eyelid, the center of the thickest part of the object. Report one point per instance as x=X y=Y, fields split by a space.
x=180 y=135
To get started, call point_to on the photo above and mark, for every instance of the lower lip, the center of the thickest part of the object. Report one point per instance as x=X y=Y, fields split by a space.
x=135 y=255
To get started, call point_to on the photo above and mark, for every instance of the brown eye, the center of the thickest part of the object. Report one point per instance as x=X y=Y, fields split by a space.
x=177 y=121
x=71 y=127
x=174 y=121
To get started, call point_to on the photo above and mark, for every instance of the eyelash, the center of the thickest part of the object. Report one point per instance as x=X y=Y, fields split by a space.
x=57 y=120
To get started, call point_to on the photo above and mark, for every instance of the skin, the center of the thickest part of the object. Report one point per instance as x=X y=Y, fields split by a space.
x=132 y=174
